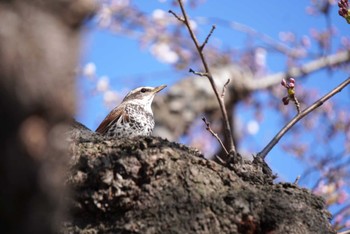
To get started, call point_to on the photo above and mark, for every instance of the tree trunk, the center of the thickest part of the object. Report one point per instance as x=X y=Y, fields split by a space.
x=39 y=43
x=151 y=185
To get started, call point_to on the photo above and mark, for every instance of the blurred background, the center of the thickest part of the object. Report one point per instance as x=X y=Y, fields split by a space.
x=138 y=43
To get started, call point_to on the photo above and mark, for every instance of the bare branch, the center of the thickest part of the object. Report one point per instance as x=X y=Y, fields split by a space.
x=224 y=88
x=296 y=119
x=226 y=122
x=296 y=181
x=176 y=16
x=198 y=73
x=297 y=104
x=207 y=38
x=214 y=134
x=312 y=66
x=220 y=159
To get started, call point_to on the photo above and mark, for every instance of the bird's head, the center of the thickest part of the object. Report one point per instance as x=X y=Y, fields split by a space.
x=143 y=95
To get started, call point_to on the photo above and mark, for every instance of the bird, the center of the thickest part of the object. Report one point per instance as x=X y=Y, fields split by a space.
x=133 y=117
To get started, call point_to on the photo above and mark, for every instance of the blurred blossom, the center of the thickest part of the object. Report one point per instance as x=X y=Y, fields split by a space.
x=319 y=6
x=110 y=98
x=318 y=190
x=343 y=116
x=120 y=3
x=340 y=183
x=102 y=84
x=287 y=36
x=324 y=189
x=104 y=16
x=163 y=53
x=347 y=142
x=161 y=18
x=252 y=127
x=89 y=70
x=310 y=10
x=343 y=196
x=260 y=57
x=300 y=52
x=345 y=41
x=328 y=108
x=338 y=218
x=323 y=38
x=314 y=33
x=305 y=41
x=347 y=224
x=158 y=14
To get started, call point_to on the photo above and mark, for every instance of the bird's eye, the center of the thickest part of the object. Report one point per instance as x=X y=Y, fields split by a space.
x=143 y=90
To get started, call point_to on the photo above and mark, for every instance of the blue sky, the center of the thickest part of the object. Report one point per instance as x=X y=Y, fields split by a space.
x=127 y=65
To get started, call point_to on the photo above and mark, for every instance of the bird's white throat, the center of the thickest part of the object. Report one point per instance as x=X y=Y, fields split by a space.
x=145 y=102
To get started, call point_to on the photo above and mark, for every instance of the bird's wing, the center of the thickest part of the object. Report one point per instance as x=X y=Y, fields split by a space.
x=116 y=115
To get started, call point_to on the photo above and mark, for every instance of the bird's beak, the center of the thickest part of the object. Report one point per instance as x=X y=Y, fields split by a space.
x=159 y=88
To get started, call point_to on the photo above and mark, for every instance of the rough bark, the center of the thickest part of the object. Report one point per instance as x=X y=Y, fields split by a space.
x=151 y=185
x=39 y=42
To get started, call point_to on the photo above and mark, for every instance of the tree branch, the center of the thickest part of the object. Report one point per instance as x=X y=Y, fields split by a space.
x=207 y=124
x=315 y=65
x=298 y=117
x=207 y=38
x=224 y=88
x=176 y=16
x=297 y=104
x=198 y=73
x=226 y=122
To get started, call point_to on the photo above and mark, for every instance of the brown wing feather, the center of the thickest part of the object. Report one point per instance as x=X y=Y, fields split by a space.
x=113 y=116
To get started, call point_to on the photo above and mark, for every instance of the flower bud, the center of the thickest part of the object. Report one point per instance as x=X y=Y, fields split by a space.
x=291 y=80
x=285 y=100
x=284 y=83
x=291 y=91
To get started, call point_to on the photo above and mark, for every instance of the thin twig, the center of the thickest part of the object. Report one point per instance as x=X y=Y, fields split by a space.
x=176 y=16
x=214 y=134
x=207 y=38
x=297 y=104
x=224 y=88
x=296 y=181
x=198 y=73
x=220 y=159
x=298 y=117
x=226 y=122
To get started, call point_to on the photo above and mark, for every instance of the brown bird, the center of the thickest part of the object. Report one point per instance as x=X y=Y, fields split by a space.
x=133 y=117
